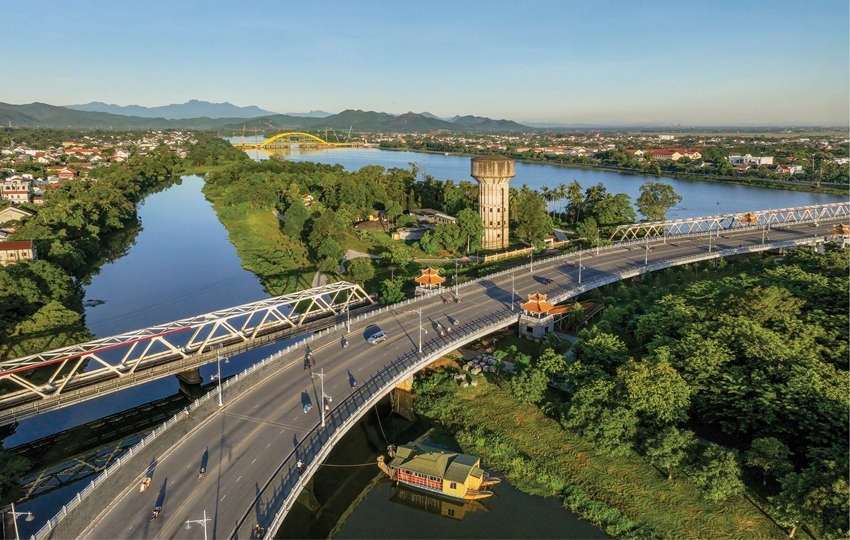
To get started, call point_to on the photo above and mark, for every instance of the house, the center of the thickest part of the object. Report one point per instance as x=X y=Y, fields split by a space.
x=429 y=216
x=13 y=214
x=15 y=190
x=17 y=251
x=307 y=200
x=68 y=173
x=747 y=159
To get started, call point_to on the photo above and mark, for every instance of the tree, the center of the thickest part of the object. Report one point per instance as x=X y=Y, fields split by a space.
x=669 y=448
x=532 y=221
x=656 y=198
x=397 y=255
x=655 y=390
x=12 y=469
x=330 y=248
x=294 y=219
x=717 y=473
x=529 y=385
x=360 y=270
x=471 y=229
x=391 y=292
x=769 y=455
x=601 y=349
x=576 y=199
x=405 y=220
x=328 y=265
x=550 y=362
x=594 y=411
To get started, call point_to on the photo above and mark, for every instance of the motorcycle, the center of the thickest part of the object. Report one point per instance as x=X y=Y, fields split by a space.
x=145 y=483
x=155 y=513
x=344 y=343
x=201 y=473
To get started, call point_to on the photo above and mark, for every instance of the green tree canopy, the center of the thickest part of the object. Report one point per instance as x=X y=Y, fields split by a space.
x=656 y=198
x=360 y=270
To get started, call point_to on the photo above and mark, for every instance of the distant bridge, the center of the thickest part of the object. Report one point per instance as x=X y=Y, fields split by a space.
x=293 y=139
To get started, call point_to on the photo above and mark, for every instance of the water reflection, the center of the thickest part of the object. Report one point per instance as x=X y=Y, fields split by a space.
x=450 y=508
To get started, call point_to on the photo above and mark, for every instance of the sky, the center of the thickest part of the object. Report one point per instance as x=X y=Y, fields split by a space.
x=615 y=62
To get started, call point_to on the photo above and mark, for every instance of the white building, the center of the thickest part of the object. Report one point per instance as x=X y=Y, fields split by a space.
x=747 y=159
x=15 y=190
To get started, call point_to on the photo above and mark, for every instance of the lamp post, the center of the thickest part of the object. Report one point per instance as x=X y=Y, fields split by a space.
x=597 y=241
x=457 y=288
x=646 y=251
x=513 y=293
x=218 y=375
x=200 y=522
x=579 y=266
x=531 y=269
x=420 y=329
x=15 y=516
x=321 y=375
x=709 y=238
x=347 y=318
x=763 y=230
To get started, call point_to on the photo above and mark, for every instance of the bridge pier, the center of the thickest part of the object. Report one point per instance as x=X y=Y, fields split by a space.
x=307 y=497
x=402 y=399
x=190 y=382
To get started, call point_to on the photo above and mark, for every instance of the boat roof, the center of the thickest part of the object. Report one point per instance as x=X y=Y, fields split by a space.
x=431 y=461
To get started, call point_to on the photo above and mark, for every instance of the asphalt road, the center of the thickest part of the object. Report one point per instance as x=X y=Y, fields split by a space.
x=241 y=446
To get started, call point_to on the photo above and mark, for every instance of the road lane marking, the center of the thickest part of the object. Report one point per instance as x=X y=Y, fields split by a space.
x=282 y=430
x=255 y=459
x=238 y=479
x=222 y=498
x=268 y=445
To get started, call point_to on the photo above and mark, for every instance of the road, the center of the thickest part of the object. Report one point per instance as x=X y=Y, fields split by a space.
x=244 y=444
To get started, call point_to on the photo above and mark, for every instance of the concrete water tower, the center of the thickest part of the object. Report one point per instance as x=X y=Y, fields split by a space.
x=493 y=174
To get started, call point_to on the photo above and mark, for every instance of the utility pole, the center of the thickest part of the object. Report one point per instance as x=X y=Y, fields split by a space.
x=200 y=522
x=532 y=260
x=457 y=288
x=646 y=252
x=579 y=266
x=513 y=292
x=420 y=329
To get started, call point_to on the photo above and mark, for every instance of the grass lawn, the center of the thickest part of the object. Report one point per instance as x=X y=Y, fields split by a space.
x=642 y=494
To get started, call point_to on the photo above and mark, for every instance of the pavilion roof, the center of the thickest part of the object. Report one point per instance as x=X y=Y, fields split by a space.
x=430 y=277
x=749 y=217
x=537 y=304
x=840 y=229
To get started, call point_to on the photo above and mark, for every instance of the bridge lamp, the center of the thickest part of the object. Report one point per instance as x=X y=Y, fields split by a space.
x=321 y=375
x=579 y=266
x=513 y=293
x=203 y=522
x=420 y=329
x=16 y=515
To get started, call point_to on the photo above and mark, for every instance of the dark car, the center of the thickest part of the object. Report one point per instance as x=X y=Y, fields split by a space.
x=546 y=281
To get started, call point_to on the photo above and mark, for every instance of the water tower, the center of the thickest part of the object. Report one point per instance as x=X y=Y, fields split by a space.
x=493 y=173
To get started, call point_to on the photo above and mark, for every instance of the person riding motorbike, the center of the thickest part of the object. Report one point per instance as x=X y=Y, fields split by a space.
x=202 y=472
x=155 y=513
x=145 y=483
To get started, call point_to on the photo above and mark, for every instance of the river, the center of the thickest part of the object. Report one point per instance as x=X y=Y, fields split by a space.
x=182 y=264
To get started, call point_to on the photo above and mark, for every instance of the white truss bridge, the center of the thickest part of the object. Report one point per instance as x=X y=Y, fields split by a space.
x=727 y=222
x=86 y=370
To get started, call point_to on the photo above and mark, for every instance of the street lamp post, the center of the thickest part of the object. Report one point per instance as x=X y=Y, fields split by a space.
x=347 y=318
x=321 y=375
x=200 y=522
x=218 y=375
x=457 y=288
x=579 y=266
x=709 y=239
x=597 y=241
x=763 y=230
x=15 y=516
x=420 y=329
x=513 y=292
x=646 y=252
x=532 y=260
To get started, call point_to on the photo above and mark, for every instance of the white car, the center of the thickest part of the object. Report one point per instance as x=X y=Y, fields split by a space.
x=377 y=337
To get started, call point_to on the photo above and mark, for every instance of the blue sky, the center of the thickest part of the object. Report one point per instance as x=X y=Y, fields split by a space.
x=710 y=62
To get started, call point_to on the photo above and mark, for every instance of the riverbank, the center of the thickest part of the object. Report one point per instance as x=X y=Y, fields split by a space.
x=625 y=496
x=831 y=189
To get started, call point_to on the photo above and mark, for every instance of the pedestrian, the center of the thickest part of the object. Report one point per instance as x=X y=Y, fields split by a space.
x=300 y=466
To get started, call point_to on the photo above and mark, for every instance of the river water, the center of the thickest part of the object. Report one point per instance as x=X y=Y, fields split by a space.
x=182 y=264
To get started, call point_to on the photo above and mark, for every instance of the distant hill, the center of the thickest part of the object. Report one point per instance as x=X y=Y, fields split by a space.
x=311 y=114
x=51 y=116
x=34 y=115
x=480 y=123
x=177 y=111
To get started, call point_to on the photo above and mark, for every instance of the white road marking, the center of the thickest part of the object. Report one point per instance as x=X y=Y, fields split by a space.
x=268 y=445
x=282 y=430
x=222 y=498
x=336 y=385
x=238 y=479
x=360 y=369
x=253 y=461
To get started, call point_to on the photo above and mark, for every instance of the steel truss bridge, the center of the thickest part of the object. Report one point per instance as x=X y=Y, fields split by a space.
x=54 y=379
x=727 y=222
x=291 y=139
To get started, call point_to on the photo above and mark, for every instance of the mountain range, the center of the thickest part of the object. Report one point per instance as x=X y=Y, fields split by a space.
x=42 y=115
x=177 y=111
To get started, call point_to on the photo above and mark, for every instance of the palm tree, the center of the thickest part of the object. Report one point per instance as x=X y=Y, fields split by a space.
x=576 y=197
x=547 y=196
x=562 y=194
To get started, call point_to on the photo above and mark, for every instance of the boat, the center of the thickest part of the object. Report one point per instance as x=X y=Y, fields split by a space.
x=450 y=474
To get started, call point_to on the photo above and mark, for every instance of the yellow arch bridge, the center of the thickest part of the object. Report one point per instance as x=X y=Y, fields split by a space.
x=291 y=139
